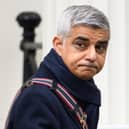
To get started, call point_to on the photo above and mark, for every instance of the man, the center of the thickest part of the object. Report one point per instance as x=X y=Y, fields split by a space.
x=62 y=93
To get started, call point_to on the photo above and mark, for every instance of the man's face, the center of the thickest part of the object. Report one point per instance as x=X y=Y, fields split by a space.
x=84 y=50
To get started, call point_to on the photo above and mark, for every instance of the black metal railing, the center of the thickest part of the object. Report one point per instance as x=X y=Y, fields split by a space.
x=29 y=21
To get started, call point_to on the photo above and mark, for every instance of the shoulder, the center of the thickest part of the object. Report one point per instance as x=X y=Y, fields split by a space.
x=33 y=104
x=36 y=93
x=36 y=99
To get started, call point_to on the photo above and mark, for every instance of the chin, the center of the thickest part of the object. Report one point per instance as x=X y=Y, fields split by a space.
x=87 y=75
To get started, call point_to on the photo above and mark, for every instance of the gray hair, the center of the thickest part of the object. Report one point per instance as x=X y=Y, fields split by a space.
x=81 y=15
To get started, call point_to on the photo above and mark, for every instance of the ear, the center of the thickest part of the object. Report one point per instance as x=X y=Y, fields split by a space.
x=58 y=44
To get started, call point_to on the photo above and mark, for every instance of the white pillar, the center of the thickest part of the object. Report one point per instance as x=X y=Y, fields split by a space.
x=127 y=58
x=117 y=63
x=48 y=24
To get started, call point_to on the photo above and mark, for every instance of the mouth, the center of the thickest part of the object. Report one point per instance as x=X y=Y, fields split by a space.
x=89 y=66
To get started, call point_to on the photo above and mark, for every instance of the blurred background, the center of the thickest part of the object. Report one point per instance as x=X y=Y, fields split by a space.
x=114 y=78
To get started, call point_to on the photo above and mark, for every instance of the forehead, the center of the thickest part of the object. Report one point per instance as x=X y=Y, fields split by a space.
x=89 y=32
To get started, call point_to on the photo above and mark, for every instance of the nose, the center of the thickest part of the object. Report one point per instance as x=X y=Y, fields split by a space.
x=91 y=54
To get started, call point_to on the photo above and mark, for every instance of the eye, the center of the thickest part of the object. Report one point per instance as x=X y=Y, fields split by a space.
x=80 y=44
x=101 y=47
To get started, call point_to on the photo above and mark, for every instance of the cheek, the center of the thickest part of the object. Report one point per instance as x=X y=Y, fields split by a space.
x=71 y=60
x=69 y=55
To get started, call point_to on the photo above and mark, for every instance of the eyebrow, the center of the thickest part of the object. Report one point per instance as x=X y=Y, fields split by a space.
x=82 y=38
x=103 y=42
x=87 y=39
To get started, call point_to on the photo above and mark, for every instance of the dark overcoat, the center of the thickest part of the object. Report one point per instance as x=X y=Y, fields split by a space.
x=37 y=107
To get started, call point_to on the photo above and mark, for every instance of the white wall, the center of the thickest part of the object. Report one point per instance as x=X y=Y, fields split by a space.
x=113 y=80
x=10 y=54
